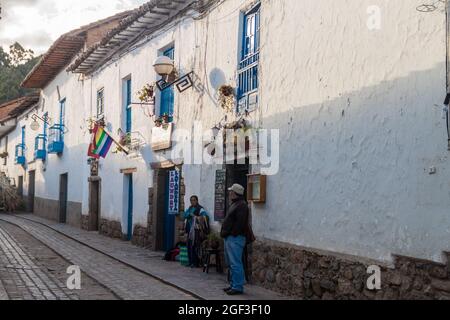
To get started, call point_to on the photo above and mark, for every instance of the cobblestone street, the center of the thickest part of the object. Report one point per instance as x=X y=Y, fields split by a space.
x=30 y=270
x=35 y=254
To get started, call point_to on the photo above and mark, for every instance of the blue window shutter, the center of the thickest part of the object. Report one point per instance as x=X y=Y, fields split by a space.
x=62 y=118
x=248 y=81
x=128 y=107
x=168 y=95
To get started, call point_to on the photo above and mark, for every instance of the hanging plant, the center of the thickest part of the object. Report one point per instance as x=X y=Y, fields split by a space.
x=147 y=93
x=226 y=98
x=166 y=118
x=158 y=122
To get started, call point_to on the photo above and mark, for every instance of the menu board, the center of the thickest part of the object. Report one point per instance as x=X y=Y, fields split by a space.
x=174 y=192
x=220 y=195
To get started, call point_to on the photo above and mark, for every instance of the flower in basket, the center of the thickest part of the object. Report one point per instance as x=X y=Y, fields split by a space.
x=226 y=98
x=147 y=93
x=158 y=122
x=125 y=139
x=165 y=118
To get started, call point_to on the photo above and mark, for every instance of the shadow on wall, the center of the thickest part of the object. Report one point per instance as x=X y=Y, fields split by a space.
x=354 y=170
x=216 y=80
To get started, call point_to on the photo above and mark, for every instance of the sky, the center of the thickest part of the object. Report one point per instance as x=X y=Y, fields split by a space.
x=36 y=24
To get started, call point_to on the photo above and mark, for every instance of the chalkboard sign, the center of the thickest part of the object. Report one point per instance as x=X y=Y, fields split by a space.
x=220 y=195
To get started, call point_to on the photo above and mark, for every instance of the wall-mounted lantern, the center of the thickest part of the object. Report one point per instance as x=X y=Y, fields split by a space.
x=164 y=66
x=35 y=125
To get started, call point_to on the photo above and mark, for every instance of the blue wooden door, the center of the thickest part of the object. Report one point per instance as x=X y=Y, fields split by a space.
x=168 y=96
x=169 y=221
x=130 y=208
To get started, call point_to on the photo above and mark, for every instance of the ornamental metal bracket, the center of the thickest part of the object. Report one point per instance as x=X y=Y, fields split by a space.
x=47 y=120
x=183 y=83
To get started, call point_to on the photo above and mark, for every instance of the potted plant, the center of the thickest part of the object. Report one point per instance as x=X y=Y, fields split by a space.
x=158 y=122
x=147 y=93
x=165 y=118
x=125 y=139
x=226 y=98
x=214 y=241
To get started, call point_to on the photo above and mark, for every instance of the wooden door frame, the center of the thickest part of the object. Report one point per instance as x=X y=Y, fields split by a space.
x=31 y=187
x=93 y=180
x=63 y=215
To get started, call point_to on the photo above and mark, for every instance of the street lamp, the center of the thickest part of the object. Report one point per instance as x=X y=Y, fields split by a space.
x=164 y=66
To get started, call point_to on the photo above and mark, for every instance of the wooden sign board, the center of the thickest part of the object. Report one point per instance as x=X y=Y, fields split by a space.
x=220 y=195
x=174 y=192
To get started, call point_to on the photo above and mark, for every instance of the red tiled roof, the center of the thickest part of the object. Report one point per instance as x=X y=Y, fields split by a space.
x=143 y=20
x=15 y=107
x=62 y=52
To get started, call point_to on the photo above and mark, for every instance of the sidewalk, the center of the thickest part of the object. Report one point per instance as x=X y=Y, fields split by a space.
x=205 y=286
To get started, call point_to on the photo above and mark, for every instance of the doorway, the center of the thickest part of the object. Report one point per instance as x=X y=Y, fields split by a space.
x=31 y=190
x=63 y=189
x=20 y=187
x=165 y=221
x=94 y=205
x=237 y=173
x=128 y=207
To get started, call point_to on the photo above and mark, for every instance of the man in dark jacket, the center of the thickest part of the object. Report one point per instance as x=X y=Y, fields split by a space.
x=234 y=231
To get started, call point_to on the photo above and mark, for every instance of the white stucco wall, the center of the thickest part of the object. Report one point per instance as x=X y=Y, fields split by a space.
x=355 y=110
x=358 y=125
x=359 y=128
x=73 y=159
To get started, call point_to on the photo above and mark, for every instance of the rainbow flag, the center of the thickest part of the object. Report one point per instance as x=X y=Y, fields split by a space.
x=100 y=144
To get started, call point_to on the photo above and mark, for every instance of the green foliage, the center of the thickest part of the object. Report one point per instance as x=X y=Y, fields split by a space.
x=14 y=66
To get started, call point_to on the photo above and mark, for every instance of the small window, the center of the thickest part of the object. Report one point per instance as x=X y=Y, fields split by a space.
x=167 y=108
x=127 y=107
x=248 y=69
x=100 y=103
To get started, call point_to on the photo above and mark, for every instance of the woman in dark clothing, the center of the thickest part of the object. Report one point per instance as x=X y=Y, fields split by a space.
x=197 y=230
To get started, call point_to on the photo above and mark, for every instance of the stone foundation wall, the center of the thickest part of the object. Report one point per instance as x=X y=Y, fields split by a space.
x=49 y=209
x=307 y=274
x=112 y=229
x=142 y=237
x=85 y=222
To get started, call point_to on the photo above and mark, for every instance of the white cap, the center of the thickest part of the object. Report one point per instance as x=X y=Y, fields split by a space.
x=238 y=189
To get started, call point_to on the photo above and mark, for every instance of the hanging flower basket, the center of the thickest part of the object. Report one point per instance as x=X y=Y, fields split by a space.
x=227 y=98
x=147 y=93
x=158 y=122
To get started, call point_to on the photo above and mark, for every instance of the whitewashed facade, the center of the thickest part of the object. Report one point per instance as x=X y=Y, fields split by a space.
x=364 y=166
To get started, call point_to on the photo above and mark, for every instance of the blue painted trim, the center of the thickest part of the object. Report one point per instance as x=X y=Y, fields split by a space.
x=130 y=207
x=128 y=110
x=168 y=95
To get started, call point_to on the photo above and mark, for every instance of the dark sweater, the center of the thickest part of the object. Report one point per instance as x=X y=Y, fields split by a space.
x=236 y=221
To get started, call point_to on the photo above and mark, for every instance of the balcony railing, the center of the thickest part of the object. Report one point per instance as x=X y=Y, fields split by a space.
x=20 y=154
x=40 y=151
x=56 y=139
x=248 y=82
